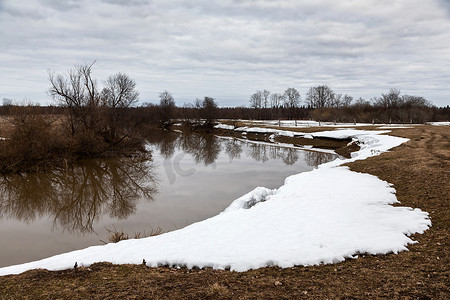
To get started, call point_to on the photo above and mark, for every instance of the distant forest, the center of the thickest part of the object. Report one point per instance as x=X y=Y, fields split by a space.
x=110 y=109
x=319 y=104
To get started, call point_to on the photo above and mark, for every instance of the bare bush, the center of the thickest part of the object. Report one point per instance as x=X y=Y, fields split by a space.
x=115 y=235
x=33 y=139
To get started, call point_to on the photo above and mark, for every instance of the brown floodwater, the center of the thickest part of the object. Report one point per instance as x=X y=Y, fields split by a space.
x=189 y=178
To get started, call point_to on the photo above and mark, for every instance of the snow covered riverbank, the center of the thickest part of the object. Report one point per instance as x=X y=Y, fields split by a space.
x=322 y=216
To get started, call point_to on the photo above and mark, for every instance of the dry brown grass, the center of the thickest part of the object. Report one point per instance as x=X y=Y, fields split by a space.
x=419 y=170
x=33 y=142
x=5 y=127
x=115 y=235
x=218 y=291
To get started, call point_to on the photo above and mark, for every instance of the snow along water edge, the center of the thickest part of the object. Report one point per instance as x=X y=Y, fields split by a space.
x=322 y=216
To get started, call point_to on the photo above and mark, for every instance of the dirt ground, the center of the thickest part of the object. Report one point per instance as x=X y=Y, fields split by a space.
x=420 y=172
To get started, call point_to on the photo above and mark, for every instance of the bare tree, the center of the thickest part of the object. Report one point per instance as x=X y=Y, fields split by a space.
x=6 y=107
x=336 y=101
x=7 y=102
x=390 y=100
x=276 y=100
x=292 y=99
x=265 y=101
x=389 y=106
x=167 y=104
x=256 y=101
x=78 y=92
x=119 y=92
x=209 y=109
x=320 y=97
x=166 y=99
x=347 y=101
x=274 y=103
x=415 y=109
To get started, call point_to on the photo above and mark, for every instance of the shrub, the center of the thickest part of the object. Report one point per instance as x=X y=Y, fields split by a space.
x=115 y=235
x=34 y=142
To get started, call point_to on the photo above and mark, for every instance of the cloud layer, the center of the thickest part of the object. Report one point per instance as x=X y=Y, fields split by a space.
x=228 y=49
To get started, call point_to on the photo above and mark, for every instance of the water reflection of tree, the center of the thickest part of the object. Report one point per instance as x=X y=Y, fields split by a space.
x=258 y=152
x=289 y=156
x=233 y=148
x=263 y=152
x=314 y=158
x=164 y=140
x=204 y=148
x=78 y=196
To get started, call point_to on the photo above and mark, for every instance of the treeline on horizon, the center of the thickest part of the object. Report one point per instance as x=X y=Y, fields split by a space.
x=320 y=104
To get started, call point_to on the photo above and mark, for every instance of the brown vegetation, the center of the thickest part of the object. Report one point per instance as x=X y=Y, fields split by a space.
x=36 y=142
x=33 y=142
x=91 y=123
x=419 y=171
x=115 y=235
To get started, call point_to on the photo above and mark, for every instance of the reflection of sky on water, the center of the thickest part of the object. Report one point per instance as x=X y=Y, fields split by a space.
x=197 y=177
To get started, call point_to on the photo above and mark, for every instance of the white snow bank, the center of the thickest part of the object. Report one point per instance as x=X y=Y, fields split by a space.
x=322 y=216
x=347 y=133
x=371 y=143
x=395 y=127
x=304 y=123
x=439 y=123
x=260 y=194
x=224 y=126
x=264 y=130
x=281 y=145
x=268 y=130
x=336 y=134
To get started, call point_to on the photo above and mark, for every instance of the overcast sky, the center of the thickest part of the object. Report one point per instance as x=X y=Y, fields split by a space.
x=228 y=49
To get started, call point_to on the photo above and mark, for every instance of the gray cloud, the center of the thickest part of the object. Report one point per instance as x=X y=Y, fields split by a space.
x=445 y=4
x=61 y=6
x=228 y=49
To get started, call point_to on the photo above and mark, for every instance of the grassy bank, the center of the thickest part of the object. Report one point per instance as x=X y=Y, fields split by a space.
x=419 y=170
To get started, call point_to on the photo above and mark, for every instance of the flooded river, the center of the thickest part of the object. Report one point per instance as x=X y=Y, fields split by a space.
x=189 y=178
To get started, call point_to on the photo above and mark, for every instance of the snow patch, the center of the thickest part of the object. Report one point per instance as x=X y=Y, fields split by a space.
x=343 y=134
x=439 y=123
x=394 y=127
x=260 y=194
x=224 y=126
